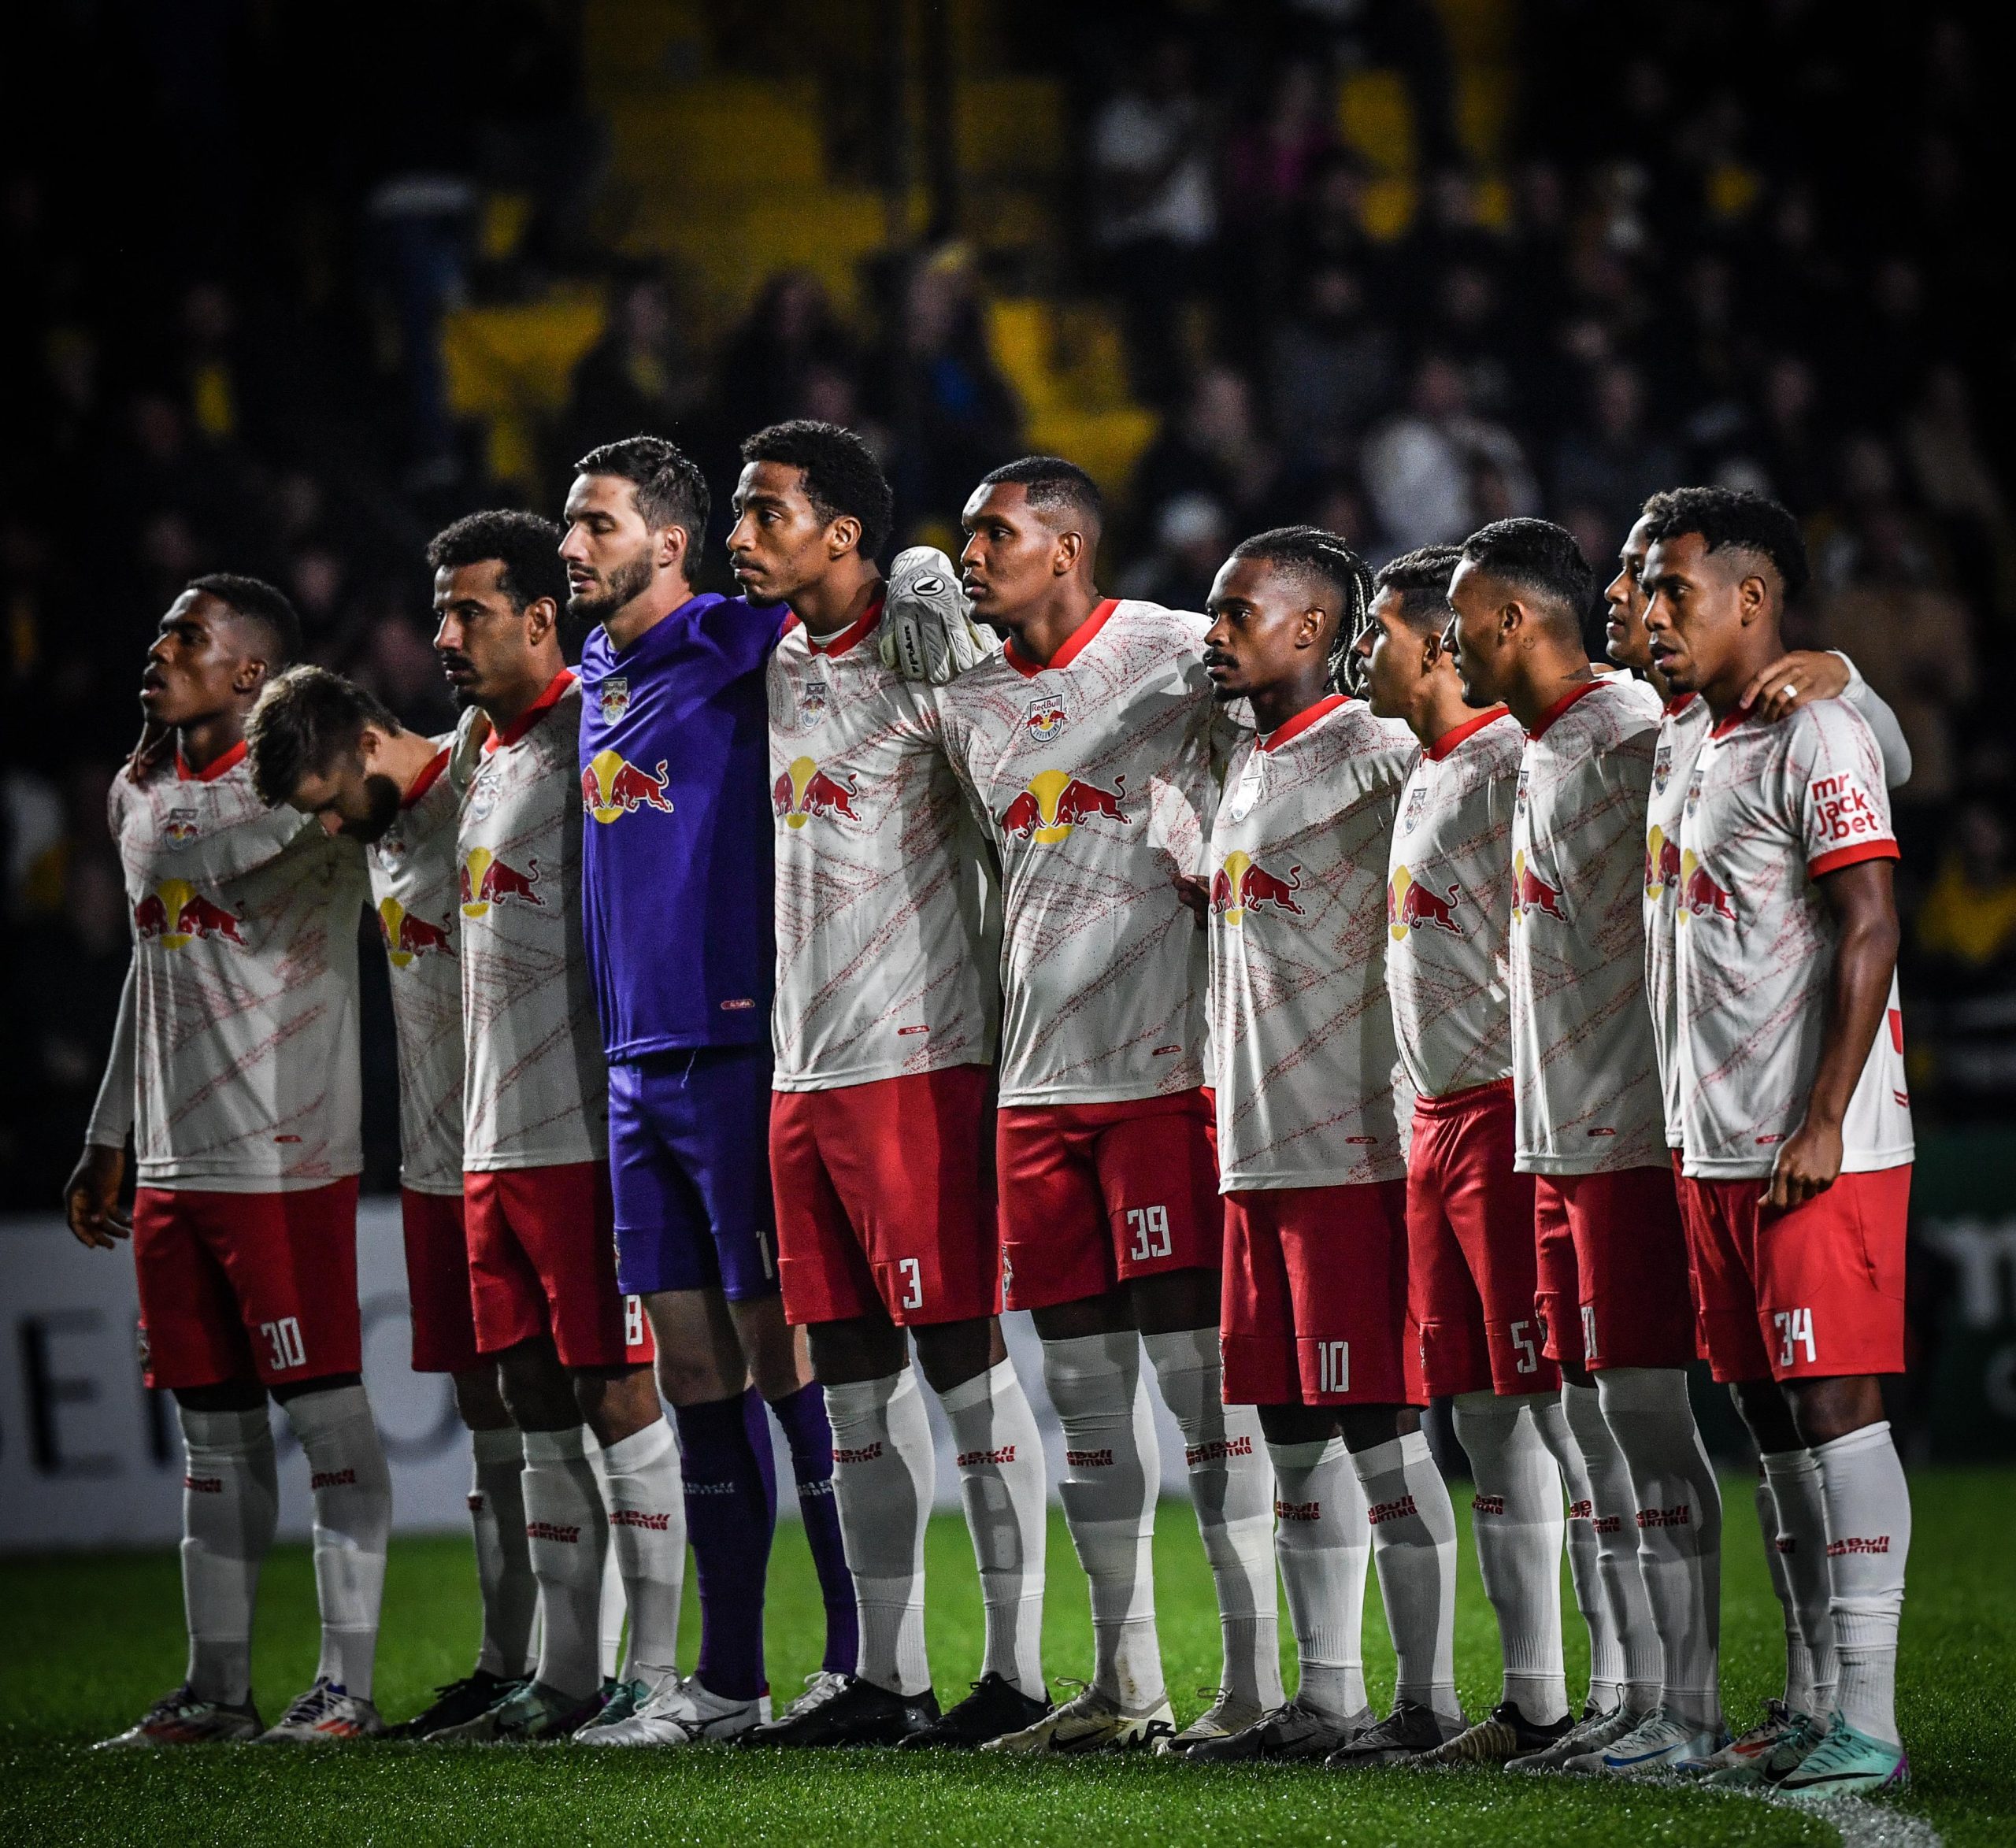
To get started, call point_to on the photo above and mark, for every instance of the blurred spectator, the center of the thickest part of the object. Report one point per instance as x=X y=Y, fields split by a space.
x=1334 y=369
x=1191 y=543
x=1434 y=469
x=636 y=378
x=791 y=331
x=1216 y=448
x=1967 y=921
x=1613 y=463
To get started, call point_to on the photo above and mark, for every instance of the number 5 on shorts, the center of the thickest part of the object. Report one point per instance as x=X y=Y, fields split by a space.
x=1149 y=1226
x=1530 y=1359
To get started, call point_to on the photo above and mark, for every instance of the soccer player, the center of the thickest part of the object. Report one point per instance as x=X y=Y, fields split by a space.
x=569 y=1350
x=885 y=1026
x=1471 y=1274
x=1787 y=1489
x=1613 y=1276
x=1795 y=1120
x=235 y=1067
x=330 y=749
x=1091 y=748
x=1315 y=1300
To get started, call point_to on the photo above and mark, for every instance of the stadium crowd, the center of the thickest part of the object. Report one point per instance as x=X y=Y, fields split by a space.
x=1708 y=263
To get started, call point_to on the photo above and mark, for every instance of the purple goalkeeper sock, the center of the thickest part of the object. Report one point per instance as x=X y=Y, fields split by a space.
x=731 y=1511
x=803 y=1416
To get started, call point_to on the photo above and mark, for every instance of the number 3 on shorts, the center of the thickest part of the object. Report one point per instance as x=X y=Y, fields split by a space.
x=1149 y=1226
x=912 y=1274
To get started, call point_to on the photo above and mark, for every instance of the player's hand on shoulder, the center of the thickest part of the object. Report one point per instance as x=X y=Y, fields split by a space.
x=1808 y=1163
x=91 y=1197
x=156 y=740
x=1793 y=680
x=927 y=633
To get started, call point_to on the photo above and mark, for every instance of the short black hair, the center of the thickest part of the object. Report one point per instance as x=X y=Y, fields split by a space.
x=300 y=721
x=1420 y=580
x=1050 y=481
x=1331 y=562
x=527 y=546
x=841 y=474
x=1737 y=518
x=252 y=599
x=670 y=489
x=1537 y=557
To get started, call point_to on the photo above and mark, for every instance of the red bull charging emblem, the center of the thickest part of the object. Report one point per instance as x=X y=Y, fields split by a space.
x=1242 y=884
x=1700 y=896
x=611 y=785
x=805 y=790
x=1662 y=862
x=1532 y=894
x=1055 y=801
x=174 y=914
x=1411 y=906
x=487 y=880
x=408 y=935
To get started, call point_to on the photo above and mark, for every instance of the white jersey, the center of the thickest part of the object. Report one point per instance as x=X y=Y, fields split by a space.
x=1095 y=777
x=537 y=1091
x=1771 y=809
x=1584 y=1072
x=1449 y=908
x=1300 y=1027
x=1682 y=727
x=888 y=946
x=236 y=1067
x=415 y=889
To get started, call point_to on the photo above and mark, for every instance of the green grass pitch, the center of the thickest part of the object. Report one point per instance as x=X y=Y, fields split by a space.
x=91 y=1640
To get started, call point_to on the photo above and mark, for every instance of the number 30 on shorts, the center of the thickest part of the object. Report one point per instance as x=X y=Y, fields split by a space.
x=1149 y=1226
x=285 y=1348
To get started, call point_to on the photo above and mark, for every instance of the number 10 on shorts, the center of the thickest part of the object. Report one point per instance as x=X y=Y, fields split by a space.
x=1333 y=1366
x=1149 y=1226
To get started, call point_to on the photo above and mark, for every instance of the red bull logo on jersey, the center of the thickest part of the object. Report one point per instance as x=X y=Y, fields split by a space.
x=611 y=785
x=1411 y=906
x=1699 y=895
x=487 y=880
x=1055 y=801
x=1662 y=767
x=805 y=790
x=1044 y=718
x=174 y=914
x=613 y=696
x=408 y=935
x=1662 y=862
x=1242 y=884
x=178 y=828
x=1531 y=893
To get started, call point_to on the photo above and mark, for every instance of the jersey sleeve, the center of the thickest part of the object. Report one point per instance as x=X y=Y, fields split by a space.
x=1877 y=716
x=1834 y=793
x=744 y=633
x=111 y=1116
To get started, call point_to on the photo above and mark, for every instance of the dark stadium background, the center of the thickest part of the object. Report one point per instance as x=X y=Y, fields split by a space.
x=286 y=287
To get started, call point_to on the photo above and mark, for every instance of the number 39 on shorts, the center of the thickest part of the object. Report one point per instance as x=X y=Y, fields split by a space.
x=1150 y=1226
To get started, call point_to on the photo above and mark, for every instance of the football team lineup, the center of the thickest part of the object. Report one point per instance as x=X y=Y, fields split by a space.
x=1346 y=999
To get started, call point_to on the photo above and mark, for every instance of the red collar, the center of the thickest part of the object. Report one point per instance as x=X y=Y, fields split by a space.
x=1456 y=734
x=1079 y=641
x=213 y=769
x=1722 y=727
x=1308 y=715
x=862 y=626
x=1562 y=704
x=1678 y=704
x=427 y=779
x=532 y=714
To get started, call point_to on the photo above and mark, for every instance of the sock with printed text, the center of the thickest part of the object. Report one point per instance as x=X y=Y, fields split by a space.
x=1325 y=1546
x=1869 y=1541
x=1592 y=1593
x=1413 y=1551
x=730 y=1515
x=503 y=1566
x=1002 y=1487
x=230 y=1502
x=567 y=1535
x=647 y=1540
x=610 y=1623
x=1792 y=1514
x=351 y=1488
x=1616 y=1524
x=802 y=1414
x=884 y=1471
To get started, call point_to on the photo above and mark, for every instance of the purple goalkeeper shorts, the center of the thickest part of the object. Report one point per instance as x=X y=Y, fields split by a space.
x=689 y=1160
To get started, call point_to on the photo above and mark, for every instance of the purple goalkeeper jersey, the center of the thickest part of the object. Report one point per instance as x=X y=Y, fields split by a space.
x=676 y=857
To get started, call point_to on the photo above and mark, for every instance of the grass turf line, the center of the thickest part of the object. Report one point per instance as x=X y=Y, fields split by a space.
x=94 y=1639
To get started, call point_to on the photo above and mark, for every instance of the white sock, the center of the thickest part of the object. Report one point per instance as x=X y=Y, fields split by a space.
x=611 y=1656
x=1325 y=1546
x=503 y=1566
x=1592 y=1596
x=1792 y=1512
x=1615 y=1506
x=567 y=1528
x=1413 y=1551
x=1517 y=1517
x=352 y=1489
x=1869 y=1540
x=647 y=1499
x=1231 y=1490
x=883 y=1473
x=230 y=1503
x=1113 y=1467
x=1680 y=1530
x=1001 y=1482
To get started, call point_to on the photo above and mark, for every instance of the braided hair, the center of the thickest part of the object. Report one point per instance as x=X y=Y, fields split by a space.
x=1346 y=577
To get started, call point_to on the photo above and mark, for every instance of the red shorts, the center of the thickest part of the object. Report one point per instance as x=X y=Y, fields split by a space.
x=1612 y=1282
x=1315 y=1298
x=1470 y=1263
x=1806 y=1294
x=1094 y=1193
x=247 y=1286
x=881 y=1205
x=542 y=1245
x=438 y=1283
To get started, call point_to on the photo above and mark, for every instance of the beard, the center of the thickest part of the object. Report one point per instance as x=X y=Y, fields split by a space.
x=626 y=583
x=383 y=798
